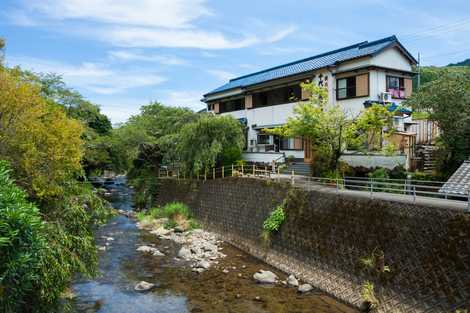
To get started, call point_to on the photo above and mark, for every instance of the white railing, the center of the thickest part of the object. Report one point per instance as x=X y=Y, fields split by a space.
x=371 y=187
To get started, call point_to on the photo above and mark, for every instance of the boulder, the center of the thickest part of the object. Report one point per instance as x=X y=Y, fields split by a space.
x=150 y=250
x=161 y=231
x=184 y=253
x=203 y=264
x=265 y=277
x=144 y=286
x=292 y=281
x=305 y=288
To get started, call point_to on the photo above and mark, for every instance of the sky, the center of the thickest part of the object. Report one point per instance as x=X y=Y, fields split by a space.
x=122 y=54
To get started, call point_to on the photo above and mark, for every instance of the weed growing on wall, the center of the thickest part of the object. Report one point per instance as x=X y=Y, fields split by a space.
x=273 y=223
x=275 y=220
x=368 y=295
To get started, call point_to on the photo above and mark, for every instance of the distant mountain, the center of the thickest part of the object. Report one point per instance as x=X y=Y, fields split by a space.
x=463 y=63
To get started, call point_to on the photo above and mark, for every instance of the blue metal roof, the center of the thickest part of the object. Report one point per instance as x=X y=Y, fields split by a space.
x=313 y=63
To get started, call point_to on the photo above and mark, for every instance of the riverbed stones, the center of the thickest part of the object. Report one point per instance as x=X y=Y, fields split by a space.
x=161 y=231
x=203 y=264
x=185 y=253
x=305 y=288
x=265 y=277
x=144 y=286
x=150 y=250
x=292 y=281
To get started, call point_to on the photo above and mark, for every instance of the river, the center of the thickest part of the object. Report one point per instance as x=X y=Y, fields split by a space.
x=180 y=290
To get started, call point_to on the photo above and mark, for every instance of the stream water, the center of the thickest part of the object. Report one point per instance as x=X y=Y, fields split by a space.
x=179 y=289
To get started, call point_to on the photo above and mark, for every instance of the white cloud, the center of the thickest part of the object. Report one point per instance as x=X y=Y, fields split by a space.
x=129 y=55
x=97 y=78
x=146 y=23
x=221 y=74
x=281 y=34
x=142 y=37
x=152 y=13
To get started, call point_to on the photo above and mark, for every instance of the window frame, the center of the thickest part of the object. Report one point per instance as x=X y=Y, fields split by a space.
x=348 y=96
x=401 y=86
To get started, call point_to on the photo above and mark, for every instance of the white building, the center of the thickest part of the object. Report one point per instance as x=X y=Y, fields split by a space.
x=356 y=76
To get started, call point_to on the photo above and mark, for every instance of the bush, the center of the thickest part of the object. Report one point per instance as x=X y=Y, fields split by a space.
x=38 y=258
x=22 y=245
x=173 y=209
x=275 y=220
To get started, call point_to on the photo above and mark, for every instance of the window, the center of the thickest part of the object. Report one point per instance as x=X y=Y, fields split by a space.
x=232 y=105
x=277 y=96
x=291 y=144
x=346 y=88
x=396 y=87
x=264 y=139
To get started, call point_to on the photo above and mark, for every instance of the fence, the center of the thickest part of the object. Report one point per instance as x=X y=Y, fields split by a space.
x=367 y=186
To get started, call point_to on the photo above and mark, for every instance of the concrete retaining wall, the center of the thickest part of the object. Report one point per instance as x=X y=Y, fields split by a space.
x=325 y=235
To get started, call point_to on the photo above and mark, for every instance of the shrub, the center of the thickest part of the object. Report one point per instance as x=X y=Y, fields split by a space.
x=21 y=243
x=38 y=258
x=275 y=220
x=173 y=209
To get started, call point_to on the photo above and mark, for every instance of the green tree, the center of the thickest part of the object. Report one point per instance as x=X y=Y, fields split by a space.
x=326 y=126
x=2 y=50
x=42 y=145
x=446 y=100
x=375 y=122
x=203 y=143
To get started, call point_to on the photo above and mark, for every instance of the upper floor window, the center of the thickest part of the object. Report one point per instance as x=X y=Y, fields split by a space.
x=232 y=105
x=277 y=96
x=352 y=86
x=396 y=87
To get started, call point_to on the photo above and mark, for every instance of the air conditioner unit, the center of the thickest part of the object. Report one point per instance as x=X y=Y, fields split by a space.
x=385 y=97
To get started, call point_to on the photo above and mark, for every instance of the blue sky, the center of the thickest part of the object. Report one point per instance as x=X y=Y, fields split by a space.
x=121 y=54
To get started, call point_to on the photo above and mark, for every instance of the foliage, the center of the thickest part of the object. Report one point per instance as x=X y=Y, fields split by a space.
x=201 y=144
x=38 y=255
x=372 y=122
x=326 y=126
x=21 y=244
x=447 y=101
x=274 y=220
x=374 y=263
x=42 y=145
x=368 y=295
x=171 y=210
x=432 y=73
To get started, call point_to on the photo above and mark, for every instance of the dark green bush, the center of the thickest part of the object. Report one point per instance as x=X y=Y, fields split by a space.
x=41 y=251
x=22 y=245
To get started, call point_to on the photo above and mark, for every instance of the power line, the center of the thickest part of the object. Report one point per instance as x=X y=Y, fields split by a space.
x=437 y=29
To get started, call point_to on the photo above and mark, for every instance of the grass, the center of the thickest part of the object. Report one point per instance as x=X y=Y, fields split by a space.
x=176 y=212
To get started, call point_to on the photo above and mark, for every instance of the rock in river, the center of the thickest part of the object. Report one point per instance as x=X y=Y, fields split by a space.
x=265 y=277
x=305 y=288
x=150 y=250
x=144 y=286
x=292 y=281
x=184 y=253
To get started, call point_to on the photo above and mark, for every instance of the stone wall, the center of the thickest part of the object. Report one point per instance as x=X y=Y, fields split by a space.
x=325 y=235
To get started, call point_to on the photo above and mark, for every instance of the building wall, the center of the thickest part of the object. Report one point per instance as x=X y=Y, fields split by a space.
x=325 y=235
x=392 y=58
x=279 y=114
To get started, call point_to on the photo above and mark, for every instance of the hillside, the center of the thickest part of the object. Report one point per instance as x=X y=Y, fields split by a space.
x=463 y=63
x=430 y=73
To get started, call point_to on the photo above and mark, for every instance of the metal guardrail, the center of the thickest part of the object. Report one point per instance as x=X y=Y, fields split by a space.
x=406 y=187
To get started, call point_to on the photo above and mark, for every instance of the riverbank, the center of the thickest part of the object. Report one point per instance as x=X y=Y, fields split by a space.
x=225 y=286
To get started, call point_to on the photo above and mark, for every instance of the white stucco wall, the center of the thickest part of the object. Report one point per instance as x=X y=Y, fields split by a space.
x=392 y=58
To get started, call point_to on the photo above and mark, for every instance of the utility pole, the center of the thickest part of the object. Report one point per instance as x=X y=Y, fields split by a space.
x=419 y=70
